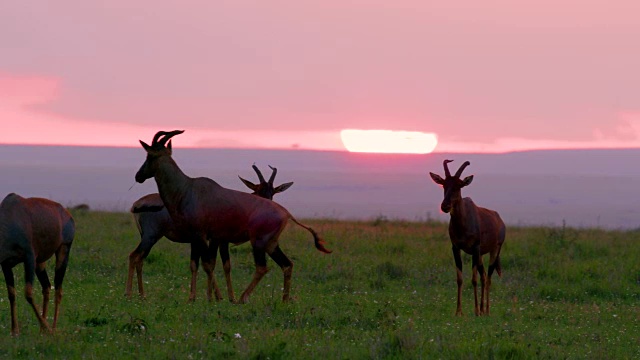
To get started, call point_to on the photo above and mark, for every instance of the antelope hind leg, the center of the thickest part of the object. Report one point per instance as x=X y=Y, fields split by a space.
x=287 y=269
x=209 y=265
x=261 y=269
x=43 y=278
x=62 y=260
x=226 y=264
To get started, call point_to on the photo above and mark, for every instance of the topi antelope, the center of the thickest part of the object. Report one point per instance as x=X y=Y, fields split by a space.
x=473 y=229
x=153 y=222
x=31 y=231
x=204 y=210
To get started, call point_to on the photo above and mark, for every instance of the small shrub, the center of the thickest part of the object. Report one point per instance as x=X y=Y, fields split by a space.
x=135 y=326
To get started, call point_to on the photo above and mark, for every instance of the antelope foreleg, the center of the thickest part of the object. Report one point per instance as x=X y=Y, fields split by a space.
x=194 y=277
x=459 y=279
x=11 y=290
x=261 y=269
x=474 y=281
x=129 y=282
x=488 y=288
x=135 y=264
x=226 y=264
x=483 y=288
x=139 y=265
x=287 y=269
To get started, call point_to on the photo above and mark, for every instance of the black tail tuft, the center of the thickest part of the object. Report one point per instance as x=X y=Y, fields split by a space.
x=319 y=243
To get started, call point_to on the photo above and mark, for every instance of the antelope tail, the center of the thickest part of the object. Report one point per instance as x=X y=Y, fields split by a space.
x=497 y=265
x=319 y=243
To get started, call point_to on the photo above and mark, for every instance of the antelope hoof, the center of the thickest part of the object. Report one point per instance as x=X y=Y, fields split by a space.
x=45 y=329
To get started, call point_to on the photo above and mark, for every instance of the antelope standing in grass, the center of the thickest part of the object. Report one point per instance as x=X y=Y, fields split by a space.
x=153 y=222
x=31 y=231
x=204 y=210
x=474 y=230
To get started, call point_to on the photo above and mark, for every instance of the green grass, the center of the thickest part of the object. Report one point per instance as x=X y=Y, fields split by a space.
x=387 y=292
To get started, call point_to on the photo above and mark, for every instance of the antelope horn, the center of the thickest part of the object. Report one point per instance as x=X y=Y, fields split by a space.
x=446 y=168
x=464 y=165
x=260 y=177
x=167 y=136
x=273 y=175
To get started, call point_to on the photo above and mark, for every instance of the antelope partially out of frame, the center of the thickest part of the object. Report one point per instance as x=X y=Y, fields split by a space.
x=153 y=222
x=206 y=211
x=473 y=229
x=31 y=231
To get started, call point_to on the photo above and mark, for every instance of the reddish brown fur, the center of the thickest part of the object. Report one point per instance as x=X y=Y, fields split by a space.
x=474 y=230
x=207 y=211
x=31 y=231
x=153 y=222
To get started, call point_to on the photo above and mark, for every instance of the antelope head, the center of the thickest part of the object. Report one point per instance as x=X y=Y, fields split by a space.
x=158 y=148
x=265 y=189
x=452 y=185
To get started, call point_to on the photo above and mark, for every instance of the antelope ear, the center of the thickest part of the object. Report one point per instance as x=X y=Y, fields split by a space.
x=282 y=187
x=436 y=178
x=169 y=147
x=467 y=180
x=249 y=184
x=144 y=145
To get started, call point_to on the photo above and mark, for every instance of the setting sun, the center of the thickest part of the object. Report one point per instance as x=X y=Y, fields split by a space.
x=388 y=141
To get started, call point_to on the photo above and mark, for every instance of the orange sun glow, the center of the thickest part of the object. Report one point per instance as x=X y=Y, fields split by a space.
x=388 y=141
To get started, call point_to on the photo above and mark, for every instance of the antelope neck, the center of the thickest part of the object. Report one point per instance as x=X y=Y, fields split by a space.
x=172 y=182
x=458 y=213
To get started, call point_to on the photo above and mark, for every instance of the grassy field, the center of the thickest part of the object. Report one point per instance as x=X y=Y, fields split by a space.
x=387 y=291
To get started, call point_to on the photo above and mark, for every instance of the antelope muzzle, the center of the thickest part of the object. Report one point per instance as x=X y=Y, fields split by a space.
x=445 y=206
x=142 y=175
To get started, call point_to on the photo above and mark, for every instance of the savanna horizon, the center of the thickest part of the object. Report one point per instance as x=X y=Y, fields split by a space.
x=526 y=188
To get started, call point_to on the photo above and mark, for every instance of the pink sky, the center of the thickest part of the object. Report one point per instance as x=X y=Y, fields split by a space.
x=486 y=76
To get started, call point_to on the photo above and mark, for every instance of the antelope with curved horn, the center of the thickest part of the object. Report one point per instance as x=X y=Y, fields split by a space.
x=265 y=189
x=205 y=210
x=153 y=222
x=31 y=231
x=474 y=230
